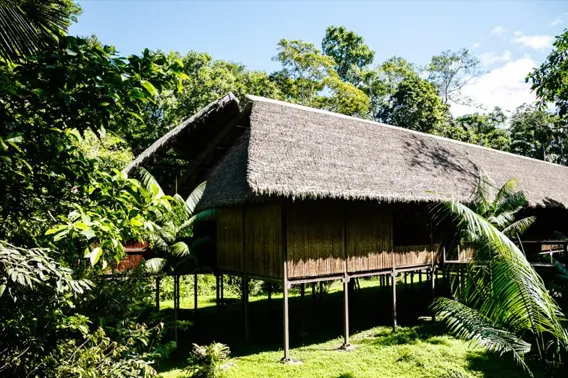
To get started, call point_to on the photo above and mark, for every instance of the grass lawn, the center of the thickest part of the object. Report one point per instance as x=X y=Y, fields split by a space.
x=418 y=349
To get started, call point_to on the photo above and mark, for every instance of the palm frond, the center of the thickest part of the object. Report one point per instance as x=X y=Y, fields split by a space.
x=518 y=296
x=150 y=183
x=195 y=197
x=28 y=26
x=482 y=198
x=179 y=249
x=155 y=265
x=519 y=227
x=468 y=323
x=507 y=189
x=506 y=208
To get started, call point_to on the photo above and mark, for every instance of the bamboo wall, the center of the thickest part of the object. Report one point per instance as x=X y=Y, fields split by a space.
x=263 y=240
x=369 y=236
x=249 y=240
x=230 y=239
x=315 y=240
x=323 y=238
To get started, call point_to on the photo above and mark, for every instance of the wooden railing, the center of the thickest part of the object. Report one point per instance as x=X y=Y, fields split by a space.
x=534 y=251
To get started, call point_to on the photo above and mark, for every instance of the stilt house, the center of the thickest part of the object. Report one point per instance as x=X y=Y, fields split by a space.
x=306 y=195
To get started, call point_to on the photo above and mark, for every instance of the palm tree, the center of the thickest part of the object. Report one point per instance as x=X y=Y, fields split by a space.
x=29 y=26
x=173 y=239
x=503 y=303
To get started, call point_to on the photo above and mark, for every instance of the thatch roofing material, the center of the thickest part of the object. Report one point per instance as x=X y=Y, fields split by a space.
x=299 y=152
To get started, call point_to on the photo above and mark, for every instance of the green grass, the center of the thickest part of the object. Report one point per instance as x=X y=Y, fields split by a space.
x=419 y=349
x=410 y=352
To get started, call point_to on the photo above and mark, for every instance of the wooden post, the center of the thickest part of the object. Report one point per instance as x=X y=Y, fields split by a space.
x=302 y=319
x=176 y=306
x=433 y=282
x=286 y=319
x=195 y=291
x=158 y=293
x=222 y=293
x=245 y=298
x=313 y=294
x=285 y=285
x=346 y=344
x=217 y=291
x=393 y=277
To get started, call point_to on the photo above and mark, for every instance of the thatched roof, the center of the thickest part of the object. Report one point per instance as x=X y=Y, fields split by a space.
x=275 y=149
x=299 y=152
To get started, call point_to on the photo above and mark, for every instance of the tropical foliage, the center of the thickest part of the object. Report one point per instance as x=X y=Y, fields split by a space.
x=501 y=303
x=73 y=112
x=30 y=26
x=208 y=361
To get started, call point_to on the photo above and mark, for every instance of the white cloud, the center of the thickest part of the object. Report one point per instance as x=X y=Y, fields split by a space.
x=518 y=33
x=537 y=42
x=475 y=45
x=499 y=30
x=504 y=87
x=490 y=58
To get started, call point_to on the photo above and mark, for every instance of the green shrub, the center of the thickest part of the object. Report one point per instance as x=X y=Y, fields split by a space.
x=208 y=361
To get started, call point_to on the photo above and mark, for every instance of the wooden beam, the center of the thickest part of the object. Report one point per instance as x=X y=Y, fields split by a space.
x=213 y=143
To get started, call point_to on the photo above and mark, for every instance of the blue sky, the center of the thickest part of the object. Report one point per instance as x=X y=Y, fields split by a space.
x=509 y=37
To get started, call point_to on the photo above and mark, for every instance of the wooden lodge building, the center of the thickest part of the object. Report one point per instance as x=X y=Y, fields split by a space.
x=306 y=195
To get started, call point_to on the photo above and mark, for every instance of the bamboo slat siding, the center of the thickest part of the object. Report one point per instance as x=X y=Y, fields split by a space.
x=315 y=238
x=230 y=239
x=369 y=236
x=263 y=240
x=323 y=238
x=414 y=255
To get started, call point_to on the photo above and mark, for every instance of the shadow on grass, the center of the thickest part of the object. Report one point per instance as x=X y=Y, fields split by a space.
x=312 y=320
x=315 y=320
x=427 y=332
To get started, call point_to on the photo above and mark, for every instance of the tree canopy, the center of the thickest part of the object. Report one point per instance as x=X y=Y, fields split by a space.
x=349 y=52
